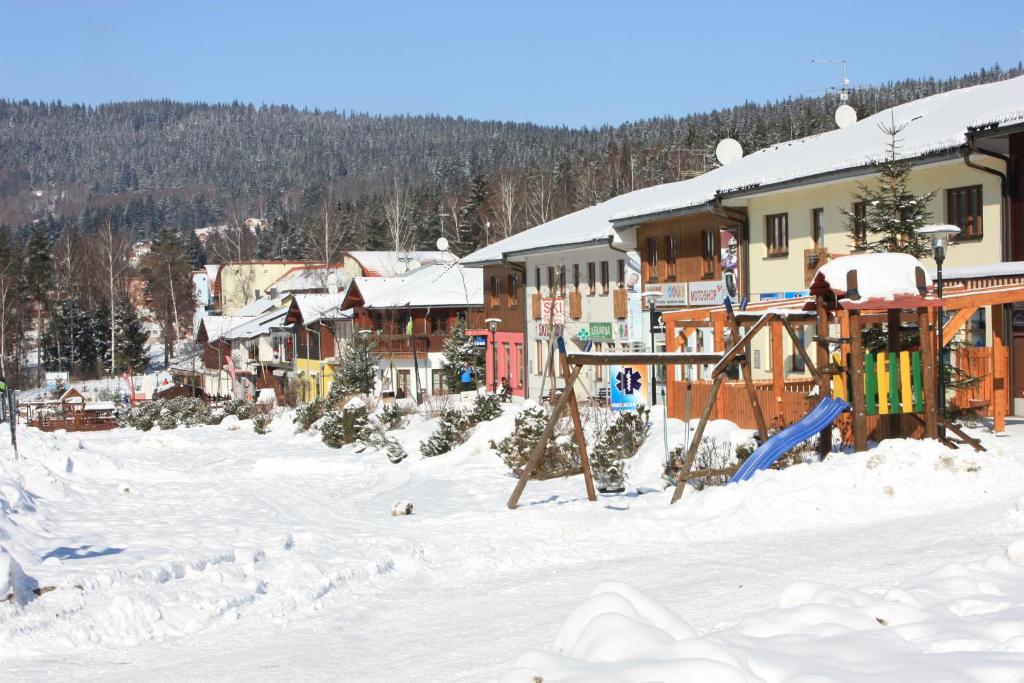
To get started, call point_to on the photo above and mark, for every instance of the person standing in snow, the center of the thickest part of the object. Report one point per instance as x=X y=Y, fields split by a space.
x=466 y=377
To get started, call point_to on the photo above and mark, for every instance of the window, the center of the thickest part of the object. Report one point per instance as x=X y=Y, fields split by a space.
x=437 y=383
x=576 y=277
x=402 y=387
x=539 y=355
x=561 y=280
x=495 y=290
x=513 y=290
x=652 y=259
x=604 y=278
x=818 y=227
x=776 y=234
x=438 y=324
x=707 y=253
x=860 y=224
x=963 y=209
x=520 y=366
x=671 y=253
x=551 y=281
x=622 y=273
x=254 y=349
x=598 y=369
x=506 y=348
x=592 y=277
x=536 y=278
x=798 y=360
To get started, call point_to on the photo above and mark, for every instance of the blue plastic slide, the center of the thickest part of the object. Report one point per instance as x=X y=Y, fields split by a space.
x=771 y=450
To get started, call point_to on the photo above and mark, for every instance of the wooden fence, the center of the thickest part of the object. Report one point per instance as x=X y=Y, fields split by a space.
x=977 y=362
x=74 y=423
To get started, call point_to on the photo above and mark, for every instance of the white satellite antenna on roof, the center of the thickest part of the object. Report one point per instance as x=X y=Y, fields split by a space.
x=728 y=151
x=442 y=244
x=845 y=114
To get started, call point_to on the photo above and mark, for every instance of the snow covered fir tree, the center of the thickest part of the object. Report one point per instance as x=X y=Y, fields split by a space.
x=886 y=216
x=460 y=354
x=357 y=371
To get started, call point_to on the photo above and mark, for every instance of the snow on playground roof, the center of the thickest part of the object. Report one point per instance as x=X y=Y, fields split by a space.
x=879 y=276
x=437 y=285
x=933 y=124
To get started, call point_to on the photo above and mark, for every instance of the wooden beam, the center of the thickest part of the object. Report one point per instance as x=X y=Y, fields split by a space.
x=794 y=314
x=860 y=422
x=927 y=335
x=959 y=432
x=778 y=363
x=577 y=425
x=740 y=345
x=811 y=367
x=643 y=358
x=956 y=322
x=748 y=377
x=538 y=451
x=698 y=434
x=1000 y=371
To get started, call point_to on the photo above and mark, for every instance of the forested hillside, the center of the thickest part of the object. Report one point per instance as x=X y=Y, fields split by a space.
x=375 y=180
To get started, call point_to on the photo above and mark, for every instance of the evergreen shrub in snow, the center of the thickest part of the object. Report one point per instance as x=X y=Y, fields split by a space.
x=392 y=415
x=241 y=408
x=308 y=413
x=486 y=407
x=184 y=411
x=620 y=441
x=561 y=457
x=450 y=433
x=345 y=426
x=262 y=416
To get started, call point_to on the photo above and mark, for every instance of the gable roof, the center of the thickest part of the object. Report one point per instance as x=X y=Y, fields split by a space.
x=437 y=285
x=308 y=278
x=934 y=124
x=315 y=307
x=388 y=263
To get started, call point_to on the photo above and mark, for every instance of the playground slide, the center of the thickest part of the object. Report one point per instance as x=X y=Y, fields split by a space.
x=771 y=450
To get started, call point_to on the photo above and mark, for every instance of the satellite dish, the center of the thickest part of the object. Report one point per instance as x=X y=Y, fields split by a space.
x=728 y=151
x=442 y=244
x=845 y=116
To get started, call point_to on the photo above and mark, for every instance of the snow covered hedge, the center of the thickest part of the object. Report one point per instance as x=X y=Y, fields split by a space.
x=184 y=411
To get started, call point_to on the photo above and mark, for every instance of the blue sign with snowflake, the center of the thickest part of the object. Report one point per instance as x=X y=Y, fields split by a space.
x=628 y=386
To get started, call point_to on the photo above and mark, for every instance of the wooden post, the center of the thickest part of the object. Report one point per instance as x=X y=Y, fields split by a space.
x=577 y=424
x=892 y=324
x=1000 y=371
x=927 y=335
x=778 y=365
x=824 y=378
x=698 y=434
x=860 y=422
x=671 y=345
x=748 y=378
x=538 y=451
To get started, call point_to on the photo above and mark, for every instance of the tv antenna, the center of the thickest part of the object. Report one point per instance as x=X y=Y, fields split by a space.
x=845 y=115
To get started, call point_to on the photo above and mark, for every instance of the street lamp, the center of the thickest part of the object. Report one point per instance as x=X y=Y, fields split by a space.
x=939 y=236
x=652 y=304
x=492 y=325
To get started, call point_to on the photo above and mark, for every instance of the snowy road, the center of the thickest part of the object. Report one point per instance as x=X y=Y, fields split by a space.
x=213 y=554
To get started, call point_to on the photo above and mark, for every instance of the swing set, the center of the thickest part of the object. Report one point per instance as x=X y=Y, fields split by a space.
x=895 y=387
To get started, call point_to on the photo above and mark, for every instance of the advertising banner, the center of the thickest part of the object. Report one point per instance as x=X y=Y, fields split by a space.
x=672 y=293
x=628 y=386
x=707 y=293
x=552 y=311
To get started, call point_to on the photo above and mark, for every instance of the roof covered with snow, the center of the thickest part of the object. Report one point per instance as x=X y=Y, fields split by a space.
x=930 y=125
x=262 y=305
x=314 y=307
x=257 y=325
x=436 y=285
x=386 y=263
x=305 y=279
x=217 y=325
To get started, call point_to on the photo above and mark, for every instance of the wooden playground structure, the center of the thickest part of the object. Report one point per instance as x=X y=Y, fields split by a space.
x=891 y=393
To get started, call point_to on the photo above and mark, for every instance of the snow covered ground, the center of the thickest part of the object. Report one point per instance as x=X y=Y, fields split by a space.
x=213 y=553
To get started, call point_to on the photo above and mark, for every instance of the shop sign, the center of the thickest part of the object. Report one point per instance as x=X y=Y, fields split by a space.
x=706 y=293
x=600 y=331
x=775 y=296
x=552 y=311
x=672 y=293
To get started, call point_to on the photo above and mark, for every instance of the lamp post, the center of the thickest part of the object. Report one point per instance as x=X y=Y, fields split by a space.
x=939 y=236
x=492 y=325
x=652 y=305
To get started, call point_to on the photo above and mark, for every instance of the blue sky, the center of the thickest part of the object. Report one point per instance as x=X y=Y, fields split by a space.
x=548 y=62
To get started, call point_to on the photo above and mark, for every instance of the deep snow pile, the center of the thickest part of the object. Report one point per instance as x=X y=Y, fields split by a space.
x=958 y=622
x=217 y=553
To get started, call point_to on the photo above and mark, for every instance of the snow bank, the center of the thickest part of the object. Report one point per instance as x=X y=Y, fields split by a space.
x=959 y=622
x=879 y=276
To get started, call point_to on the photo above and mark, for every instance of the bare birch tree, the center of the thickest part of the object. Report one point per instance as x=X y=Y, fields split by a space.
x=397 y=214
x=114 y=251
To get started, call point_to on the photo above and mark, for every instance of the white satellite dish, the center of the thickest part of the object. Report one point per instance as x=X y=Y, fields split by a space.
x=442 y=244
x=728 y=151
x=845 y=116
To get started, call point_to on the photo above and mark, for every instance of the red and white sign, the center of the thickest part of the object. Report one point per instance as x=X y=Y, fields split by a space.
x=707 y=293
x=552 y=311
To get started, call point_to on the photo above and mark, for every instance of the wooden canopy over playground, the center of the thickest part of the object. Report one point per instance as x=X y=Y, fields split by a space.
x=889 y=386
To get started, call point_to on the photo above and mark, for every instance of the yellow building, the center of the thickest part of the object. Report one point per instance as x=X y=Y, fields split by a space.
x=239 y=284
